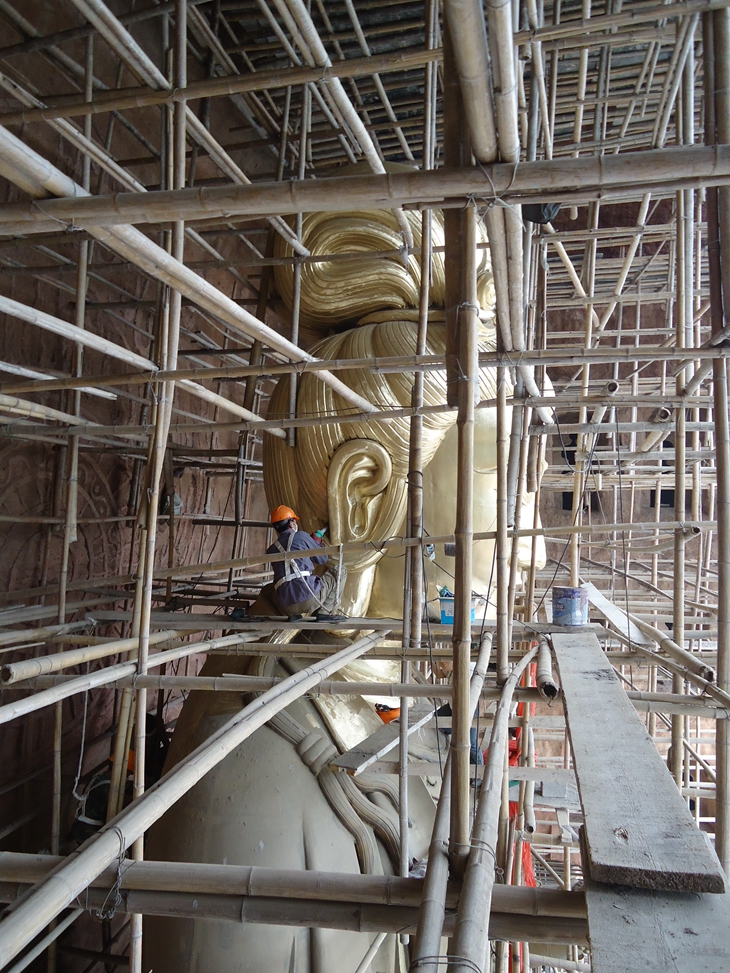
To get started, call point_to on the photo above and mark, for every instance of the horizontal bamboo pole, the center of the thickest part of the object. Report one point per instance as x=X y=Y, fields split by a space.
x=612 y=428
x=643 y=701
x=651 y=169
x=29 y=668
x=250 y=684
x=397 y=543
x=256 y=881
x=402 y=363
x=47 y=633
x=103 y=677
x=396 y=364
x=142 y=96
x=28 y=917
x=322 y=914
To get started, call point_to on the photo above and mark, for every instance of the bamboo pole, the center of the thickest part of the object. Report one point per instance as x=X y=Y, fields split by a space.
x=339 y=95
x=655 y=170
x=28 y=917
x=322 y=914
x=470 y=934
x=109 y=674
x=245 y=684
x=414 y=593
x=47 y=942
x=434 y=899
x=47 y=633
x=502 y=532
x=72 y=332
x=404 y=363
x=13 y=672
x=721 y=78
x=465 y=19
x=168 y=347
x=463 y=535
x=395 y=543
x=141 y=96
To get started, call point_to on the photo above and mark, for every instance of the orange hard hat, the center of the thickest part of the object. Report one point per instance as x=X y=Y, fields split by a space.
x=282 y=513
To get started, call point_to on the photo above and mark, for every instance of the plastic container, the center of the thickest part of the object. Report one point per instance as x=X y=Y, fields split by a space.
x=447 y=609
x=570 y=606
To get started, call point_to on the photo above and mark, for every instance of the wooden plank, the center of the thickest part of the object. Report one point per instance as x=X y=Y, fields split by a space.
x=379 y=743
x=617 y=617
x=634 y=930
x=639 y=830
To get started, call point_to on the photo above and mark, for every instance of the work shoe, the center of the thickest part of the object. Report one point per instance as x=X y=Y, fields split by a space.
x=322 y=617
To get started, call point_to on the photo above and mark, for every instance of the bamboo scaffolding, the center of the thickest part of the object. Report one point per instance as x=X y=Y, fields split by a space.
x=28 y=917
x=606 y=88
x=32 y=174
x=109 y=674
x=142 y=96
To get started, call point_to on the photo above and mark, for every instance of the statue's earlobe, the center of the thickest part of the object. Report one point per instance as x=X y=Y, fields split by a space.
x=366 y=502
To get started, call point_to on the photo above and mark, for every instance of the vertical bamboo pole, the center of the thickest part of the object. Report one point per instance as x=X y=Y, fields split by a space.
x=719 y=46
x=72 y=484
x=425 y=954
x=468 y=390
x=158 y=449
x=304 y=126
x=455 y=155
x=502 y=542
x=413 y=604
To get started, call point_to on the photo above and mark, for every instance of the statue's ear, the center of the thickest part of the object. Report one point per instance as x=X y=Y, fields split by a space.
x=366 y=501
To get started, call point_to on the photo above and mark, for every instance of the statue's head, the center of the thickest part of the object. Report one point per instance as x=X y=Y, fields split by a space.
x=352 y=475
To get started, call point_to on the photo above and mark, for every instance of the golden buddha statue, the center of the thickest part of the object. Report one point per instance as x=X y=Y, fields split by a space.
x=275 y=801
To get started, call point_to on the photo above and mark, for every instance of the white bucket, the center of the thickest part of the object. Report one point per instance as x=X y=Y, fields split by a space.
x=570 y=606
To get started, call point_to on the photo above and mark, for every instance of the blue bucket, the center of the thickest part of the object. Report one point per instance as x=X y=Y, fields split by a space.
x=447 y=609
x=570 y=606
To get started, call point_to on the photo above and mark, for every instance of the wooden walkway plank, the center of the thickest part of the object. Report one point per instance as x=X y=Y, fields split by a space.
x=379 y=743
x=639 y=830
x=640 y=931
x=617 y=616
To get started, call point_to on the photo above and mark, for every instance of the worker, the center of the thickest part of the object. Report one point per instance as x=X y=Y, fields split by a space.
x=297 y=589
